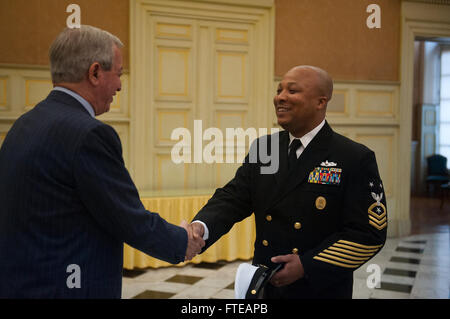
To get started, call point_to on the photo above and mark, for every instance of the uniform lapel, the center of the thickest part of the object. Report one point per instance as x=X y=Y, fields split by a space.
x=316 y=151
x=280 y=175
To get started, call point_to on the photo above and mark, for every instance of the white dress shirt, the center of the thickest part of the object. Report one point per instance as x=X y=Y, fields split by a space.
x=305 y=139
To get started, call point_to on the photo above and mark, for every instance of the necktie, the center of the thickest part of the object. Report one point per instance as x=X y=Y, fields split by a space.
x=292 y=158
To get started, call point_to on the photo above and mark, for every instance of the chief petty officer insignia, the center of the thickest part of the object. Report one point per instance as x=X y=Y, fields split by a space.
x=377 y=211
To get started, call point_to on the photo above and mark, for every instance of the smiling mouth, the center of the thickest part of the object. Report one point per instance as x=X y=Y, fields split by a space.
x=282 y=109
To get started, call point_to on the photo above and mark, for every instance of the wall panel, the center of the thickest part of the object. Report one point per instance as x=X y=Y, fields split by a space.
x=169 y=175
x=174 y=73
x=384 y=147
x=3 y=93
x=23 y=87
x=36 y=90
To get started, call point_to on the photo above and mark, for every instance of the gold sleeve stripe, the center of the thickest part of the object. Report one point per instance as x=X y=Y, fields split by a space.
x=341 y=259
x=345 y=253
x=358 y=245
x=328 y=251
x=378 y=221
x=350 y=252
x=355 y=249
x=335 y=262
x=379 y=227
x=376 y=215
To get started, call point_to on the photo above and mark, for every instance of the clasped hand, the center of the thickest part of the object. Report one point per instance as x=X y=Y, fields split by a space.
x=195 y=239
x=292 y=270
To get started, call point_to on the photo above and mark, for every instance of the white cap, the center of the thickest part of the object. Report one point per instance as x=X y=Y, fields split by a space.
x=244 y=276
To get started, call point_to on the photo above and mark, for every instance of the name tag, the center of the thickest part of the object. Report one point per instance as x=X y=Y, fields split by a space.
x=325 y=175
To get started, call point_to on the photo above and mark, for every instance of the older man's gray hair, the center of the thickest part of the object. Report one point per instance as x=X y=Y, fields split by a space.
x=75 y=50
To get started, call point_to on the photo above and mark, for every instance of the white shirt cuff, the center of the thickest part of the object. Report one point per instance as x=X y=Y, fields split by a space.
x=206 y=233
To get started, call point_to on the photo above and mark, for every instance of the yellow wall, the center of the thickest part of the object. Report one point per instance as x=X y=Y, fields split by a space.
x=327 y=33
x=28 y=27
x=333 y=34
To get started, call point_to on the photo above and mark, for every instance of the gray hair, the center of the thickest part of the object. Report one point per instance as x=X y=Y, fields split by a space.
x=74 y=51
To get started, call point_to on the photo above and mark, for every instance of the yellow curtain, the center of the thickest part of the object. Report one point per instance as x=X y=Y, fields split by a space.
x=237 y=244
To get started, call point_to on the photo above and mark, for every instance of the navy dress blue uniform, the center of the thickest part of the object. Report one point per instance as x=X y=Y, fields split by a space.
x=330 y=209
x=66 y=198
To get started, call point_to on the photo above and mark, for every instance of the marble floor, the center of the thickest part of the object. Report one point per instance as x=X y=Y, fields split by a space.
x=416 y=266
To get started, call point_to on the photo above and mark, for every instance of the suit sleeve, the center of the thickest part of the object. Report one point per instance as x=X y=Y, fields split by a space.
x=363 y=229
x=110 y=196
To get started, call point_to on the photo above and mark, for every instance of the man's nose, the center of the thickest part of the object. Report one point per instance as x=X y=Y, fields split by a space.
x=281 y=96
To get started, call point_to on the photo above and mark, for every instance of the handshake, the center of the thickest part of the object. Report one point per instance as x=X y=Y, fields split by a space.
x=195 y=244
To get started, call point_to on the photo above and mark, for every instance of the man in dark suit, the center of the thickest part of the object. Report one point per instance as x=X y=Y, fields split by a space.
x=67 y=202
x=322 y=214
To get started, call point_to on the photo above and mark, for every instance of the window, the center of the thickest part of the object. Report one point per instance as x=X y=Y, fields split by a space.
x=444 y=120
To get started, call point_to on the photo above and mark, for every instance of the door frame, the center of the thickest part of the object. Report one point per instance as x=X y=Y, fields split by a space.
x=424 y=20
x=261 y=12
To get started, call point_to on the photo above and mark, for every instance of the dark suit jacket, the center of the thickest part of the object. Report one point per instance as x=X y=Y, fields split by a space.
x=335 y=226
x=66 y=198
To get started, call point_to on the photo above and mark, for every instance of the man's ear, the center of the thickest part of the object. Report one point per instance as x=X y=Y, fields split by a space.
x=323 y=101
x=93 y=73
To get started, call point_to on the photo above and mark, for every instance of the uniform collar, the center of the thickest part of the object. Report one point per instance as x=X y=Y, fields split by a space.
x=308 y=137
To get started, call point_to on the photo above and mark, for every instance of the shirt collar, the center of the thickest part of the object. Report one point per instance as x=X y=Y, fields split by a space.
x=308 y=137
x=78 y=97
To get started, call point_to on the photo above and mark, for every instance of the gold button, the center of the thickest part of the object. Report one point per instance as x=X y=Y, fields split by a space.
x=253 y=292
x=295 y=251
x=297 y=225
x=321 y=202
x=269 y=218
x=265 y=242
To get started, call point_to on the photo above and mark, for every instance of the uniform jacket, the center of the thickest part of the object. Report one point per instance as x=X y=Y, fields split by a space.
x=330 y=209
x=67 y=199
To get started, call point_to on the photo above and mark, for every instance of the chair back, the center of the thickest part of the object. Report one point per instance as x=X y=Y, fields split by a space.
x=437 y=165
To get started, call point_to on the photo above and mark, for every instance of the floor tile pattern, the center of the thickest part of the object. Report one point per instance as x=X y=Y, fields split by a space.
x=417 y=266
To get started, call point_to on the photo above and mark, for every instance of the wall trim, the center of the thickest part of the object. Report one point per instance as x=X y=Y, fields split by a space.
x=36 y=67
x=24 y=66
